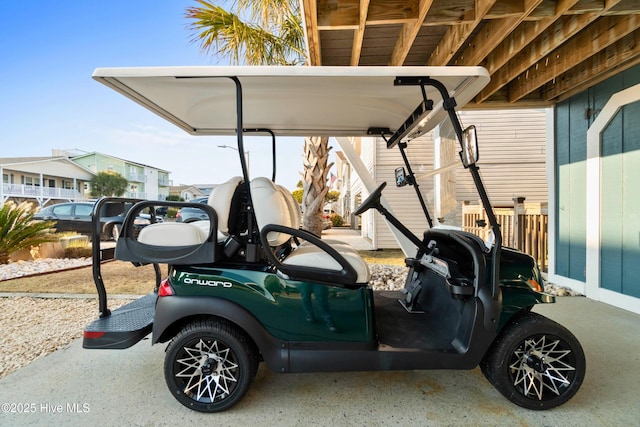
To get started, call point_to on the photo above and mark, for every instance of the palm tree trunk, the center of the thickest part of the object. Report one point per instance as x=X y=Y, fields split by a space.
x=314 y=182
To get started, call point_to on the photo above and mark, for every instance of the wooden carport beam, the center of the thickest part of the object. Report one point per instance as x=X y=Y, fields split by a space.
x=310 y=16
x=408 y=34
x=345 y=14
x=457 y=35
x=604 y=32
x=523 y=36
x=358 y=34
x=618 y=57
x=492 y=34
x=556 y=34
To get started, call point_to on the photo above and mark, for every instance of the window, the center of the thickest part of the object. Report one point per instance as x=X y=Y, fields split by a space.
x=83 y=210
x=62 y=210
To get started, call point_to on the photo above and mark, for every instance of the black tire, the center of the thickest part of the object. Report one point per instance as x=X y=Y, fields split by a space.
x=535 y=362
x=210 y=365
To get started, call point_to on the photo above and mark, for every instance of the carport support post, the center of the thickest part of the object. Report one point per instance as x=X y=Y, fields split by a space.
x=369 y=183
x=518 y=225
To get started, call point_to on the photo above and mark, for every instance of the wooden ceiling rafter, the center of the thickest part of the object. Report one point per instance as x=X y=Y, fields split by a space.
x=310 y=16
x=537 y=51
x=408 y=34
x=622 y=55
x=519 y=39
x=600 y=35
x=457 y=35
x=492 y=35
x=545 y=44
x=358 y=34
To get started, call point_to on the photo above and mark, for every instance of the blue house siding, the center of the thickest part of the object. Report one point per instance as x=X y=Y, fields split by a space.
x=571 y=155
x=619 y=192
x=620 y=229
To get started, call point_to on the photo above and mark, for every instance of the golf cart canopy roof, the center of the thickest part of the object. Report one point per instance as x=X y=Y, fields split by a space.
x=292 y=101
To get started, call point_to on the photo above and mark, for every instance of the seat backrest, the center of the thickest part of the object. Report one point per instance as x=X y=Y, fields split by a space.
x=221 y=199
x=293 y=205
x=270 y=207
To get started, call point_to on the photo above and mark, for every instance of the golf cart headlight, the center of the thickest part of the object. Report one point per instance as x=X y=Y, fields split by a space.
x=535 y=285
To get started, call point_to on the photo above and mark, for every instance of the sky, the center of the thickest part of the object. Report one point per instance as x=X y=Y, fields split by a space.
x=48 y=100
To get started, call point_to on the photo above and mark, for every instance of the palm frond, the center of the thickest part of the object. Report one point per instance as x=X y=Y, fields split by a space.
x=18 y=230
x=273 y=36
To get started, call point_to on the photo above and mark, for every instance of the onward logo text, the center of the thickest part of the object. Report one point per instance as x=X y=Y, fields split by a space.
x=204 y=282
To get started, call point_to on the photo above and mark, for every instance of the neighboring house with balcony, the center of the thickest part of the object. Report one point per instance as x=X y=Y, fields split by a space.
x=145 y=182
x=42 y=180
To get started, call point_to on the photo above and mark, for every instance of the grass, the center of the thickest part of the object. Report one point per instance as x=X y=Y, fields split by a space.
x=119 y=278
x=383 y=256
x=123 y=278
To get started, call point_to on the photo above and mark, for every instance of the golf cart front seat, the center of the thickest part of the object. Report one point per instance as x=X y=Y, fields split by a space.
x=198 y=242
x=316 y=260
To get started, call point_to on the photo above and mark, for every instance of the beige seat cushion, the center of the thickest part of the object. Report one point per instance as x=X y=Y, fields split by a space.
x=194 y=233
x=171 y=234
x=312 y=256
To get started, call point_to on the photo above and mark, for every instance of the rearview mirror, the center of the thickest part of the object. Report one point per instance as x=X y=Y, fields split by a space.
x=469 y=153
x=401 y=177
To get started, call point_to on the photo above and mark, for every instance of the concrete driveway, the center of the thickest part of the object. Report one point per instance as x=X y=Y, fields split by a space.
x=115 y=387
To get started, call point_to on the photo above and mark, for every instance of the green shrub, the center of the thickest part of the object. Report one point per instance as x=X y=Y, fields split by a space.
x=77 y=252
x=172 y=212
x=18 y=230
x=336 y=220
x=76 y=248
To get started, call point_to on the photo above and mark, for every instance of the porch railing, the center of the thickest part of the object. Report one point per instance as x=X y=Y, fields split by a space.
x=35 y=191
x=524 y=227
x=137 y=177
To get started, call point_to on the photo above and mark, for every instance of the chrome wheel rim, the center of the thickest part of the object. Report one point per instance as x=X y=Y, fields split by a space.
x=206 y=370
x=542 y=367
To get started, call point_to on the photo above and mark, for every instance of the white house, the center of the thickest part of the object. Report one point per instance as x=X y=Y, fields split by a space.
x=512 y=161
x=145 y=182
x=42 y=179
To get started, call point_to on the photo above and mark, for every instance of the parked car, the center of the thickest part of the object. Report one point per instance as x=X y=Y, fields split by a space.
x=192 y=214
x=76 y=216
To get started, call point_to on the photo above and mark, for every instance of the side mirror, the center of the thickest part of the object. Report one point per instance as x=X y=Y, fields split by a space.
x=401 y=177
x=469 y=153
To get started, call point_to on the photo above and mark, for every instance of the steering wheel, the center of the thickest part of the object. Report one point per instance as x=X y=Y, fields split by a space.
x=372 y=201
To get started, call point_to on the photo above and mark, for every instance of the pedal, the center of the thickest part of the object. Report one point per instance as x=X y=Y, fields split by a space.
x=408 y=307
x=412 y=290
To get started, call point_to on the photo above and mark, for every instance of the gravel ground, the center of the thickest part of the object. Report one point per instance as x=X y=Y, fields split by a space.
x=34 y=327
x=41 y=265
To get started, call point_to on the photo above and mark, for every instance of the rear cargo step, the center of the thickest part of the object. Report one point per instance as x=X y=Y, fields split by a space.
x=124 y=327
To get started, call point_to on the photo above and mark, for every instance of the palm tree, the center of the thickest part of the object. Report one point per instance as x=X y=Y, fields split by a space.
x=18 y=230
x=266 y=32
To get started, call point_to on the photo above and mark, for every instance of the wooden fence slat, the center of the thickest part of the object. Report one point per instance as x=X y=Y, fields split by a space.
x=527 y=232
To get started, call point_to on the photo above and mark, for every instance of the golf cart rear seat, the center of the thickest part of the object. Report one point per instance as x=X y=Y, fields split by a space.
x=329 y=262
x=198 y=242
